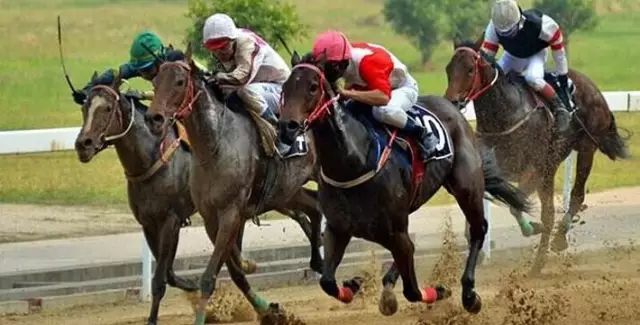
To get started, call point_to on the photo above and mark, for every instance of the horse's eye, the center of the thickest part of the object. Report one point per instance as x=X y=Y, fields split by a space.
x=470 y=71
x=109 y=109
x=313 y=88
x=180 y=83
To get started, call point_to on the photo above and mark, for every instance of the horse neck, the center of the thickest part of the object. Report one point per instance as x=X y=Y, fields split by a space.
x=205 y=125
x=343 y=145
x=502 y=105
x=139 y=148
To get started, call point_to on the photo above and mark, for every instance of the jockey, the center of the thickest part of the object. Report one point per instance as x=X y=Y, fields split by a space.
x=251 y=67
x=526 y=37
x=146 y=54
x=374 y=76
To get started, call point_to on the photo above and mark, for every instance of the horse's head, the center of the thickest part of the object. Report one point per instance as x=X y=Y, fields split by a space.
x=468 y=73
x=175 y=93
x=307 y=96
x=102 y=115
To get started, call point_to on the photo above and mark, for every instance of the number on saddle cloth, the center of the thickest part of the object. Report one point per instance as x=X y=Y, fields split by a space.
x=432 y=123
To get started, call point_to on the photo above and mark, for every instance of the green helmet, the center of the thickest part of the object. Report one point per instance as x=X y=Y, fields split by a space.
x=142 y=44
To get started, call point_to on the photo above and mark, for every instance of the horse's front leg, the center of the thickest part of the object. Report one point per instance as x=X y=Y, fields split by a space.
x=335 y=244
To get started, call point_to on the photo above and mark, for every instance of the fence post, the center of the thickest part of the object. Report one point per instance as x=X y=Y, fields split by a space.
x=486 y=247
x=568 y=180
x=147 y=261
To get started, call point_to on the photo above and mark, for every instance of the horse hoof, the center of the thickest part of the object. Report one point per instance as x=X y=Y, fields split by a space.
x=472 y=304
x=249 y=266
x=388 y=304
x=273 y=315
x=538 y=228
x=559 y=243
x=444 y=292
x=354 y=284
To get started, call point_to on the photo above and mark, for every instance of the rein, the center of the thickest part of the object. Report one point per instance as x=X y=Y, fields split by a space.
x=321 y=110
x=165 y=155
x=186 y=107
x=477 y=89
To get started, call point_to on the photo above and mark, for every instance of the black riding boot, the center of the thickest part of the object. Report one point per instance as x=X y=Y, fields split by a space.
x=561 y=114
x=427 y=142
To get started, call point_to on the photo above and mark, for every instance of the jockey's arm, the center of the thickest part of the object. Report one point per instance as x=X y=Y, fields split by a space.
x=108 y=76
x=491 y=43
x=247 y=58
x=552 y=34
x=370 y=97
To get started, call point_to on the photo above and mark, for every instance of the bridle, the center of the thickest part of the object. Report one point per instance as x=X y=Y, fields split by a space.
x=116 y=114
x=190 y=96
x=326 y=101
x=477 y=88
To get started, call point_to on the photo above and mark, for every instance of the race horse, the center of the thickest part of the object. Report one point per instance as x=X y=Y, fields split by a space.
x=232 y=178
x=369 y=186
x=158 y=172
x=513 y=120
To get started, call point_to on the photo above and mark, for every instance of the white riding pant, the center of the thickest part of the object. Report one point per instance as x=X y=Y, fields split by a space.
x=532 y=69
x=261 y=96
x=402 y=99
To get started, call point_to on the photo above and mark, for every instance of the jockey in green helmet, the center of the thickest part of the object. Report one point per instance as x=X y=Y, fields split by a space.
x=146 y=54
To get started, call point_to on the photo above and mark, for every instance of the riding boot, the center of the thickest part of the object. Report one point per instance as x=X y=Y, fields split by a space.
x=561 y=114
x=427 y=141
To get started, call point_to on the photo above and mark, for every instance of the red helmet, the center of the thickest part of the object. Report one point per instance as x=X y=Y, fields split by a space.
x=332 y=46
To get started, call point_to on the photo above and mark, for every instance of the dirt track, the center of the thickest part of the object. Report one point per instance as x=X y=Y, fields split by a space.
x=601 y=287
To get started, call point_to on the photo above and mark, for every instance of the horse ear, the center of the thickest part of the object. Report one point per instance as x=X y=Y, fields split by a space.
x=478 y=44
x=170 y=47
x=94 y=76
x=457 y=42
x=117 y=80
x=295 y=58
x=188 y=54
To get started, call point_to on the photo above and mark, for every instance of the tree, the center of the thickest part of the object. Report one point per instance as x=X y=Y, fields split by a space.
x=271 y=19
x=467 y=18
x=422 y=21
x=572 y=15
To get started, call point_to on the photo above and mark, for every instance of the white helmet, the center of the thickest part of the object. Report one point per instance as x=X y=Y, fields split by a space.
x=219 y=26
x=505 y=15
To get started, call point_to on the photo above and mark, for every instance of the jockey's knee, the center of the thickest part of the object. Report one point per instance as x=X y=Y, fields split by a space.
x=391 y=115
x=253 y=98
x=535 y=82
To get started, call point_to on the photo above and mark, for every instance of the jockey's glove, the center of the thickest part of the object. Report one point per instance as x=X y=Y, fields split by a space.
x=79 y=97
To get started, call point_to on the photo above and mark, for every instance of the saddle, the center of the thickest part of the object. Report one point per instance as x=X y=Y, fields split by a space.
x=388 y=139
x=536 y=100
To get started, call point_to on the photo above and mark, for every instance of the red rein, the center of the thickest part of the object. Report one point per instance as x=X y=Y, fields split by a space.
x=477 y=89
x=185 y=108
x=322 y=109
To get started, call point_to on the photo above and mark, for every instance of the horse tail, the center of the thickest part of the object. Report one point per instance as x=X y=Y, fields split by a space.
x=612 y=144
x=498 y=187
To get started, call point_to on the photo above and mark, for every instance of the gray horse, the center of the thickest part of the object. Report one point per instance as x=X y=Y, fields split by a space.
x=232 y=177
x=158 y=173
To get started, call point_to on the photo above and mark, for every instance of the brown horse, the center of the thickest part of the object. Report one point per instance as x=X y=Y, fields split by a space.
x=510 y=119
x=158 y=172
x=377 y=207
x=232 y=179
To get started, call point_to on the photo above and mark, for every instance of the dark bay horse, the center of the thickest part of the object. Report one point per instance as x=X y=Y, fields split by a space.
x=232 y=179
x=378 y=209
x=157 y=180
x=521 y=131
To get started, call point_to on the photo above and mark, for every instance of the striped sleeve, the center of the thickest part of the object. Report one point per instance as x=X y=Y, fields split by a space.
x=491 y=44
x=552 y=34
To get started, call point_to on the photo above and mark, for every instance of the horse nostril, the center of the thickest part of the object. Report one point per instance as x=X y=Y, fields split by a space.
x=158 y=118
x=87 y=143
x=293 y=125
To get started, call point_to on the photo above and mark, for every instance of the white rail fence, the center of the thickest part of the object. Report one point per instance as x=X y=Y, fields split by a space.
x=62 y=139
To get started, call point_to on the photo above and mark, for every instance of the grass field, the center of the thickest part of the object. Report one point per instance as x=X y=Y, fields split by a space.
x=97 y=35
x=59 y=178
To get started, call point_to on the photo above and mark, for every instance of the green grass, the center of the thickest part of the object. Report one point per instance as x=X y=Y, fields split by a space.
x=97 y=35
x=59 y=178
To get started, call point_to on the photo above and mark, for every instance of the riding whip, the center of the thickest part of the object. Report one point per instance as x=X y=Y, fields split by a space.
x=286 y=47
x=64 y=68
